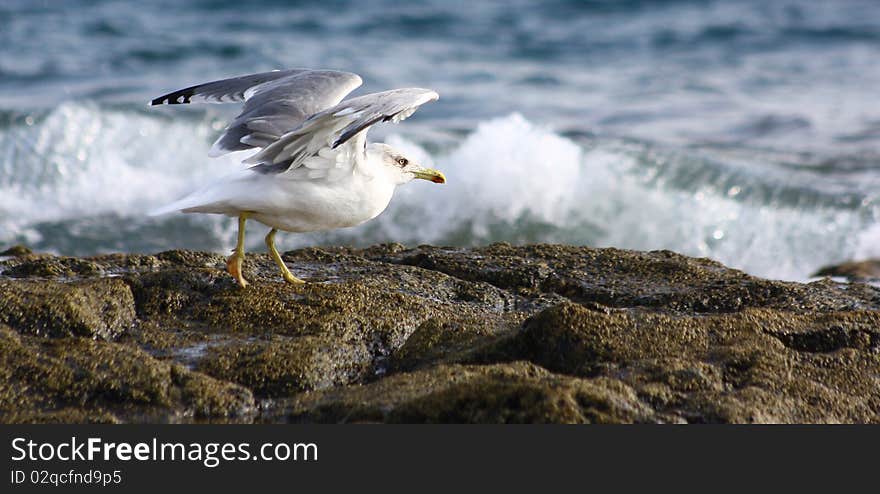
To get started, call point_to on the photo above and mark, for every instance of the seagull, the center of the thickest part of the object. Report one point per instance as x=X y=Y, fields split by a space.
x=313 y=169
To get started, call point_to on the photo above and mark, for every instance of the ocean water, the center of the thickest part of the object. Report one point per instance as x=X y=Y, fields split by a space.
x=747 y=131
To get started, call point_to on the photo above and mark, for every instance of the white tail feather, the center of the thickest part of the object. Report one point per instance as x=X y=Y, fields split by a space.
x=174 y=207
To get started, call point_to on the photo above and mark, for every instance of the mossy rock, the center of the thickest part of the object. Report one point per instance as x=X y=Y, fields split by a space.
x=660 y=280
x=285 y=366
x=537 y=333
x=16 y=251
x=517 y=392
x=93 y=308
x=84 y=380
x=868 y=269
x=46 y=266
x=758 y=365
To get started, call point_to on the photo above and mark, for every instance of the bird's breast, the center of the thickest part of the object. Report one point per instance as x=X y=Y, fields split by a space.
x=305 y=206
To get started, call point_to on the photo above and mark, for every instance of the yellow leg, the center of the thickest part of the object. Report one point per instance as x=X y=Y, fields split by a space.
x=233 y=264
x=285 y=273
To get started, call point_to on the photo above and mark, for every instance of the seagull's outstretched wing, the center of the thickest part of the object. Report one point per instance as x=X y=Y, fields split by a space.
x=275 y=103
x=337 y=125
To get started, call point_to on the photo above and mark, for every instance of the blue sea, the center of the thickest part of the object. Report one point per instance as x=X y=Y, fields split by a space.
x=747 y=132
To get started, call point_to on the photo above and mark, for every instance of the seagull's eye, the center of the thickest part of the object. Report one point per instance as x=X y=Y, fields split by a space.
x=402 y=161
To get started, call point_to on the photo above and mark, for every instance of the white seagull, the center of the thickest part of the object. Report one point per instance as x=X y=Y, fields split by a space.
x=314 y=169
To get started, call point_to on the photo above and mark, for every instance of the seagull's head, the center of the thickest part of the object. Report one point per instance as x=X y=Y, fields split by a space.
x=402 y=169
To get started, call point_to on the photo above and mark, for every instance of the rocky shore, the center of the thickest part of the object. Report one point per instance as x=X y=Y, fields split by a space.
x=541 y=333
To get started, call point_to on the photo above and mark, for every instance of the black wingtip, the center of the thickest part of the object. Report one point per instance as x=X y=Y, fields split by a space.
x=181 y=97
x=350 y=131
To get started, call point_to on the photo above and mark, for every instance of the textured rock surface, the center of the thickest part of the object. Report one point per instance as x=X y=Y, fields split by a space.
x=854 y=270
x=541 y=333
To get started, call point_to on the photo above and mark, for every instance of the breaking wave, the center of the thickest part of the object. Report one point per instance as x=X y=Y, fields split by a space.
x=79 y=179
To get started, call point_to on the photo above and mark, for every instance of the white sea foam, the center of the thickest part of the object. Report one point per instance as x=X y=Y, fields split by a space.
x=508 y=180
x=612 y=195
x=79 y=161
x=505 y=171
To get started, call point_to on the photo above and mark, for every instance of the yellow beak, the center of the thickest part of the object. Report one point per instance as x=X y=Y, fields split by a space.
x=435 y=176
